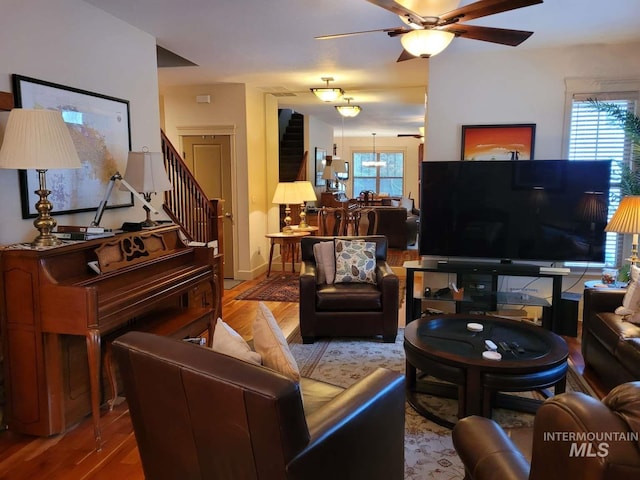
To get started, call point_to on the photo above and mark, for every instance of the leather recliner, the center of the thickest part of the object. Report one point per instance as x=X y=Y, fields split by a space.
x=575 y=436
x=199 y=414
x=348 y=309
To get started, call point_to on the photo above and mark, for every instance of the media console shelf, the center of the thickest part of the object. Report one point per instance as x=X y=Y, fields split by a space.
x=551 y=319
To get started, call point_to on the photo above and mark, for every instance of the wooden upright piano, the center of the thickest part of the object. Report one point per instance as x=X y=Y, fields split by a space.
x=56 y=312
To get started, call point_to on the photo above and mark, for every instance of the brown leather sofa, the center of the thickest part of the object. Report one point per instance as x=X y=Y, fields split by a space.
x=199 y=414
x=575 y=436
x=610 y=344
x=398 y=224
x=348 y=309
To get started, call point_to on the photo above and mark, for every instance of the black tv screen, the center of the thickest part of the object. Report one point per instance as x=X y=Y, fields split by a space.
x=546 y=210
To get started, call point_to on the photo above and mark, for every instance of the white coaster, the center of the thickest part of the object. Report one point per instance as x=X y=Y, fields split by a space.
x=475 y=327
x=491 y=355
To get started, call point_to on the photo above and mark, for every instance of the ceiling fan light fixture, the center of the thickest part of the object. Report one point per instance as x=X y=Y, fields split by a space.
x=327 y=94
x=348 y=110
x=426 y=43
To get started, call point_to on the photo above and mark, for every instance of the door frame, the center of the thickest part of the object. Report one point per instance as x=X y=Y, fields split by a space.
x=219 y=130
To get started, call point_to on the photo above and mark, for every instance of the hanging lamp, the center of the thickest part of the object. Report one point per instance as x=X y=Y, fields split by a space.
x=375 y=162
x=426 y=43
x=327 y=94
x=348 y=110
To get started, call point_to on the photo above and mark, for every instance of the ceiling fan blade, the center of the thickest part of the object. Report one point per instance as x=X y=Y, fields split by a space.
x=405 y=56
x=414 y=135
x=489 y=34
x=483 y=8
x=390 y=31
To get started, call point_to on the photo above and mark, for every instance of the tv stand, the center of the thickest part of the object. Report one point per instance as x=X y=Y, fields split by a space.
x=455 y=266
x=490 y=272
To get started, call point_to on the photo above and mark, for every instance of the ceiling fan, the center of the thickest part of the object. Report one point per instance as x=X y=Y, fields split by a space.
x=442 y=29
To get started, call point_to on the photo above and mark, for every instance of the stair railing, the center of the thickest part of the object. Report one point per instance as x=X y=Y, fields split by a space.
x=187 y=204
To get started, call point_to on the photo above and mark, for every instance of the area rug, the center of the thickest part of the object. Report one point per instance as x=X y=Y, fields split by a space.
x=285 y=287
x=279 y=287
x=429 y=452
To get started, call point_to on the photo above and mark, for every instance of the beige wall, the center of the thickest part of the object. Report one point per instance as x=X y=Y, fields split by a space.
x=72 y=43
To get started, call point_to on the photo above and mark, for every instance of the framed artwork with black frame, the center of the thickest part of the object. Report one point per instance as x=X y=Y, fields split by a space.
x=321 y=161
x=100 y=129
x=498 y=142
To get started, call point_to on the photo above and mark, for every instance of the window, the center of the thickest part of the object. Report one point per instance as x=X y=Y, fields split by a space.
x=596 y=135
x=379 y=172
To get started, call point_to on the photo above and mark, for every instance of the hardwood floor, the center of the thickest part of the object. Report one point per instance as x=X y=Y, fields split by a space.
x=72 y=455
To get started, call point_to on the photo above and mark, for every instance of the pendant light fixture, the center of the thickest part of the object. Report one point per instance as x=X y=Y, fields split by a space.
x=348 y=110
x=327 y=94
x=426 y=43
x=375 y=162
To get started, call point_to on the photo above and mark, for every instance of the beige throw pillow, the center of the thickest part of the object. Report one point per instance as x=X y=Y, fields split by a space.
x=229 y=342
x=631 y=300
x=325 y=262
x=269 y=342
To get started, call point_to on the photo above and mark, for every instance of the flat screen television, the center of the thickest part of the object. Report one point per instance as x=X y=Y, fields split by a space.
x=540 y=210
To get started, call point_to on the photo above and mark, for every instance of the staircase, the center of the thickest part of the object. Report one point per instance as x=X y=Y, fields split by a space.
x=291 y=154
x=187 y=204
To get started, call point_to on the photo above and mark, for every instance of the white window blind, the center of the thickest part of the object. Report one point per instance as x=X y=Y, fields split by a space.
x=596 y=135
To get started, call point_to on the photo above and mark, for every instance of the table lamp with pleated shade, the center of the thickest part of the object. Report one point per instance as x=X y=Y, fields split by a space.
x=626 y=219
x=39 y=140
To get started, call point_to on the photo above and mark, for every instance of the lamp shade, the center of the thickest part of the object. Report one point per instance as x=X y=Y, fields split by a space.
x=286 y=194
x=306 y=191
x=626 y=219
x=327 y=94
x=339 y=166
x=327 y=173
x=37 y=139
x=145 y=172
x=426 y=43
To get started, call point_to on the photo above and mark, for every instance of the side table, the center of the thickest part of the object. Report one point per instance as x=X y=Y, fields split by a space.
x=288 y=243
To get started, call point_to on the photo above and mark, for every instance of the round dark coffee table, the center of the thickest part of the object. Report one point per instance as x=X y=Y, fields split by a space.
x=443 y=347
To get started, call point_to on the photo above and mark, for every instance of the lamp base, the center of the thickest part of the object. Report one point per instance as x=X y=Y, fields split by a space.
x=287 y=221
x=148 y=222
x=44 y=223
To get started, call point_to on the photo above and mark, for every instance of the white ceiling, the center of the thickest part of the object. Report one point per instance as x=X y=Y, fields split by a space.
x=270 y=45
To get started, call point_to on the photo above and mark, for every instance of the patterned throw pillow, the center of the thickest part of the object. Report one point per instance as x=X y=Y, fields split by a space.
x=355 y=261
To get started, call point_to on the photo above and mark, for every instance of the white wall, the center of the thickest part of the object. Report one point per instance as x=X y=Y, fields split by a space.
x=514 y=86
x=317 y=134
x=72 y=43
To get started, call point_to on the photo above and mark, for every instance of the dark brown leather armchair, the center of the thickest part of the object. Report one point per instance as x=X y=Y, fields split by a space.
x=198 y=414
x=348 y=309
x=610 y=451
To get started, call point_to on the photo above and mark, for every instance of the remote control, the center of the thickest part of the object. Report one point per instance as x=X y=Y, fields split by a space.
x=516 y=346
x=504 y=346
x=490 y=345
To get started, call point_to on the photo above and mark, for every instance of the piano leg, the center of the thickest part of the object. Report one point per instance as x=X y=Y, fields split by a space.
x=93 y=350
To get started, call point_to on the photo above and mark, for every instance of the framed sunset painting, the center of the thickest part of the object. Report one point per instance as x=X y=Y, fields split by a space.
x=498 y=142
